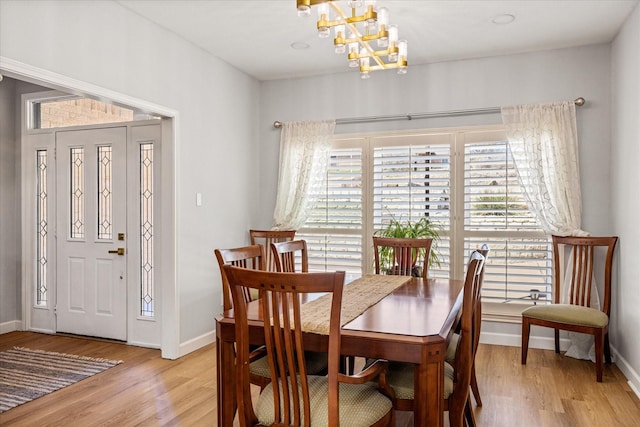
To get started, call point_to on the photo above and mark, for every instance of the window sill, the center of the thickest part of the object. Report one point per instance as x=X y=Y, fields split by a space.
x=503 y=312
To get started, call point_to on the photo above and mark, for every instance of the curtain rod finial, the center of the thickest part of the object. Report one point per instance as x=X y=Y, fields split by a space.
x=579 y=101
x=277 y=124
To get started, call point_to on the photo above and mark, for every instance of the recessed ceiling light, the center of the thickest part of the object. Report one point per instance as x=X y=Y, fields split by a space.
x=504 y=19
x=300 y=45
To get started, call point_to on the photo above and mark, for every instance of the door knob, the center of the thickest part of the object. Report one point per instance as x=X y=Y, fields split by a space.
x=119 y=251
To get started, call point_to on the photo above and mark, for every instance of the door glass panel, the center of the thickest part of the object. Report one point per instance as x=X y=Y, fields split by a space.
x=42 y=214
x=146 y=230
x=104 y=193
x=77 y=220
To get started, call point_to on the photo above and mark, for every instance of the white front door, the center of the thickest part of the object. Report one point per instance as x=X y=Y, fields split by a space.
x=91 y=224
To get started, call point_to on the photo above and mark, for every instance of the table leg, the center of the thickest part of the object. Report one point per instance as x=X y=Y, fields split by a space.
x=225 y=368
x=429 y=394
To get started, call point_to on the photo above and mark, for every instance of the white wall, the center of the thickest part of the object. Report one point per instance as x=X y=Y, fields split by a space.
x=625 y=178
x=9 y=204
x=104 y=44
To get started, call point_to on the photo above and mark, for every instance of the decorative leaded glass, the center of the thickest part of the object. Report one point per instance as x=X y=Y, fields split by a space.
x=105 y=231
x=77 y=221
x=146 y=230
x=42 y=232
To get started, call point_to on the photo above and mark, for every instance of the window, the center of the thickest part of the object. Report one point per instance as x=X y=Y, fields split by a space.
x=463 y=180
x=56 y=110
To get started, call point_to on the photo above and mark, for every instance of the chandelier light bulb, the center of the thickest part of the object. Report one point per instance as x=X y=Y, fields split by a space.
x=323 y=18
x=383 y=16
x=338 y=41
x=304 y=10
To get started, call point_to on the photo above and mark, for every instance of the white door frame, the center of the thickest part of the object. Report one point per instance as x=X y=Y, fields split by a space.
x=167 y=257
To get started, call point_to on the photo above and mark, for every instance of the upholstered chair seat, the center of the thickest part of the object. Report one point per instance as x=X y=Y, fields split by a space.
x=360 y=404
x=400 y=379
x=568 y=314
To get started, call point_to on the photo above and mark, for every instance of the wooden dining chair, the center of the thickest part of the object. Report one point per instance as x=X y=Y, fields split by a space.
x=401 y=256
x=253 y=257
x=301 y=399
x=477 y=326
x=577 y=314
x=284 y=254
x=247 y=257
x=266 y=238
x=457 y=374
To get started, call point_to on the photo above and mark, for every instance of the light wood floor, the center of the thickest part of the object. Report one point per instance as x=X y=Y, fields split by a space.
x=147 y=390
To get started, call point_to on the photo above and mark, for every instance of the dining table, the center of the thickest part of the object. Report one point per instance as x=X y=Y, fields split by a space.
x=412 y=323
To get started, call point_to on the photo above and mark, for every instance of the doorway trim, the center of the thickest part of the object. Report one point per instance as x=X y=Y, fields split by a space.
x=167 y=260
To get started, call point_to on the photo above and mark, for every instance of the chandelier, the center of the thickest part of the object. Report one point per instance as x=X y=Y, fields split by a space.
x=363 y=30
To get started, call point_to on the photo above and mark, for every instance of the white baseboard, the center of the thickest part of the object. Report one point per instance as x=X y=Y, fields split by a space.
x=11 y=326
x=196 y=343
x=624 y=366
x=513 y=340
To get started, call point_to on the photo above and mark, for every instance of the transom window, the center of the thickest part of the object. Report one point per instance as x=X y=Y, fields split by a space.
x=463 y=180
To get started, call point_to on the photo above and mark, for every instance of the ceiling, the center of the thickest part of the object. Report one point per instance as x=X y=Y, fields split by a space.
x=256 y=36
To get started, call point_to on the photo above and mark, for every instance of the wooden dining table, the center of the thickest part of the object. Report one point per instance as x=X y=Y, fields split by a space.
x=411 y=324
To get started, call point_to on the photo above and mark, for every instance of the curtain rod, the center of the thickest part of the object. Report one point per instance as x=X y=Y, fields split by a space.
x=277 y=124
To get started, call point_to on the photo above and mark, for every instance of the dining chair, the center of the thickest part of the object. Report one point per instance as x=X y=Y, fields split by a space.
x=284 y=255
x=457 y=380
x=402 y=256
x=301 y=399
x=477 y=326
x=247 y=257
x=253 y=257
x=266 y=238
x=574 y=267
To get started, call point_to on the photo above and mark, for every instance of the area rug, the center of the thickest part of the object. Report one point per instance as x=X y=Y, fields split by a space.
x=28 y=374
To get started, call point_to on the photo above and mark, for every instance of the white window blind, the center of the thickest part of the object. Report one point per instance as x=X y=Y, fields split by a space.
x=496 y=213
x=333 y=230
x=462 y=180
x=410 y=182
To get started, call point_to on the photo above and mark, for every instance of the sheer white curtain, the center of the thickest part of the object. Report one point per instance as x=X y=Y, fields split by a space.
x=304 y=155
x=543 y=140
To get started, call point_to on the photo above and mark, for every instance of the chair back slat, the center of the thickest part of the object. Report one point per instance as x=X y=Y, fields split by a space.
x=280 y=301
x=284 y=254
x=582 y=253
x=266 y=238
x=405 y=255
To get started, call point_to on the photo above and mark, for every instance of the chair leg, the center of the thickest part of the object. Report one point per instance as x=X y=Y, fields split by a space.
x=599 y=347
x=556 y=335
x=474 y=385
x=469 y=415
x=525 y=339
x=607 y=349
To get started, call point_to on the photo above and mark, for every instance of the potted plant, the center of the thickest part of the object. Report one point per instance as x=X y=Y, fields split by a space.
x=423 y=228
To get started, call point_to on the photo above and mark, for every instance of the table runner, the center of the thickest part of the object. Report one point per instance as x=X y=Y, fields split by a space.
x=357 y=296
